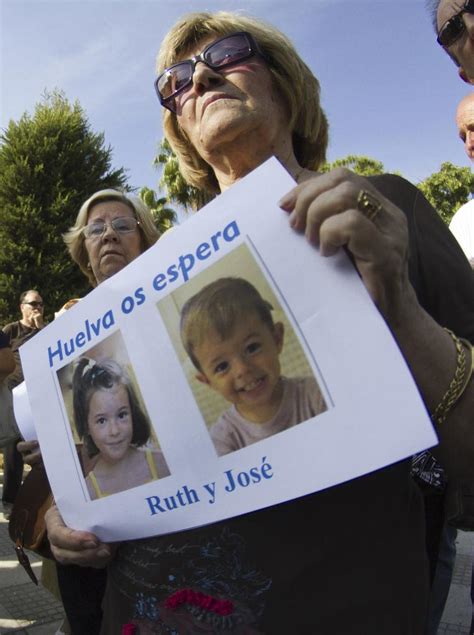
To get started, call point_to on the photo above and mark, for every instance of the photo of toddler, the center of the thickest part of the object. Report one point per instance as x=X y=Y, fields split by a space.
x=228 y=332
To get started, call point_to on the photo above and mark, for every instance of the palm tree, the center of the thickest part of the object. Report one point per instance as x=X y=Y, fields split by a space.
x=163 y=216
x=173 y=183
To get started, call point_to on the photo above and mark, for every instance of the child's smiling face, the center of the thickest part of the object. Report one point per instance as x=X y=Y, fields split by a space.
x=245 y=367
x=110 y=422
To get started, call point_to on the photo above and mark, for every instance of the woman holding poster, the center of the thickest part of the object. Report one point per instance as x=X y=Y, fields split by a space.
x=350 y=559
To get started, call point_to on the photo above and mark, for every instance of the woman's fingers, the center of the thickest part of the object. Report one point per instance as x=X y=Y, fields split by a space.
x=30 y=452
x=71 y=546
x=64 y=537
x=342 y=209
x=325 y=195
x=329 y=203
x=95 y=558
x=27 y=447
x=363 y=237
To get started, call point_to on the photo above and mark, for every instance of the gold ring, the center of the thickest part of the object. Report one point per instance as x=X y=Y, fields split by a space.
x=368 y=205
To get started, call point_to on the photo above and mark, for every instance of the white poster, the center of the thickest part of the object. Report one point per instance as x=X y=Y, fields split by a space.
x=227 y=369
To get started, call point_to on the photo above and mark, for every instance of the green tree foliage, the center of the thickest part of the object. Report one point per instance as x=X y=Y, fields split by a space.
x=189 y=197
x=448 y=189
x=173 y=183
x=365 y=166
x=163 y=216
x=49 y=164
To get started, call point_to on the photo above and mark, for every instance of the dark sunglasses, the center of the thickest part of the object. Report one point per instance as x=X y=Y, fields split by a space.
x=34 y=304
x=224 y=52
x=453 y=28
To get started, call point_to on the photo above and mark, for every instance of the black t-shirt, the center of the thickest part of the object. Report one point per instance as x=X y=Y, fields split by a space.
x=346 y=561
x=18 y=334
x=4 y=340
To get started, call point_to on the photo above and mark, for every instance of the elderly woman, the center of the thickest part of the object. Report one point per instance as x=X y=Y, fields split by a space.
x=350 y=559
x=112 y=228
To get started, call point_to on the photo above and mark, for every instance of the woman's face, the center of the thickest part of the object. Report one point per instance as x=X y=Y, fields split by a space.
x=110 y=422
x=111 y=251
x=220 y=108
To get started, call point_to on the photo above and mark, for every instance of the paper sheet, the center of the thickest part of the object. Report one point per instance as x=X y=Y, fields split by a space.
x=373 y=414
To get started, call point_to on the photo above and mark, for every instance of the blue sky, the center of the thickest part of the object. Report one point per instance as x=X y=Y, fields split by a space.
x=388 y=89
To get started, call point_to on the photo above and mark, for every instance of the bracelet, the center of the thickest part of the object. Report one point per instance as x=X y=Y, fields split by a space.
x=470 y=366
x=459 y=382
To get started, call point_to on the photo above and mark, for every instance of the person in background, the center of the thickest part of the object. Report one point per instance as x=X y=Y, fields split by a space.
x=112 y=228
x=31 y=322
x=453 y=21
x=32 y=457
x=462 y=223
x=29 y=450
x=465 y=123
x=462 y=226
x=32 y=310
x=7 y=366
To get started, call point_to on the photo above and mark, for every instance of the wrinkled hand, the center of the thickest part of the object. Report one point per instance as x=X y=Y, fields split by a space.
x=30 y=451
x=324 y=207
x=71 y=546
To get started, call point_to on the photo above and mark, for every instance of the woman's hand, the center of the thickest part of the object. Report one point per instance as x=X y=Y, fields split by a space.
x=70 y=546
x=30 y=451
x=325 y=207
x=328 y=210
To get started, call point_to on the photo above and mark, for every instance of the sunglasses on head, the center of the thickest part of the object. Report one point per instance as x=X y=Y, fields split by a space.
x=453 y=28
x=224 y=52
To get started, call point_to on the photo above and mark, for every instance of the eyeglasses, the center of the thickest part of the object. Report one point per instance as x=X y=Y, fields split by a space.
x=453 y=28
x=121 y=225
x=224 y=52
x=34 y=304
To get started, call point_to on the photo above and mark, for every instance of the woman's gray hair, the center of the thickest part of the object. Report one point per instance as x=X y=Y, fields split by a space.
x=432 y=6
x=74 y=238
x=293 y=79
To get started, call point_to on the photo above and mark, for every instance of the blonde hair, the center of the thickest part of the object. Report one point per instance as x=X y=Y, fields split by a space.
x=295 y=82
x=74 y=238
x=219 y=306
x=69 y=304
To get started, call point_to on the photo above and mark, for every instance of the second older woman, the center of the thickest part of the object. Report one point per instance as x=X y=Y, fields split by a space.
x=351 y=559
x=112 y=228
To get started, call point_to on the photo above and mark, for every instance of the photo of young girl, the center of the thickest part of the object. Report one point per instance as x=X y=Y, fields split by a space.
x=114 y=428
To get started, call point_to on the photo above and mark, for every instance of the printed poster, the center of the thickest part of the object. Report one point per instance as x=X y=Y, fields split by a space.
x=227 y=369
